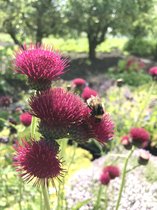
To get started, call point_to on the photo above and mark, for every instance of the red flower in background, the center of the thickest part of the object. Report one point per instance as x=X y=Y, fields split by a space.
x=140 y=137
x=108 y=173
x=126 y=142
x=79 y=82
x=135 y=63
x=88 y=92
x=153 y=71
x=112 y=170
x=58 y=109
x=105 y=178
x=41 y=64
x=38 y=161
x=26 y=118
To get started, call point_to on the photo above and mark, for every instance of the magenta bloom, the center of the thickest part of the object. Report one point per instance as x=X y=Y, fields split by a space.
x=58 y=110
x=105 y=178
x=26 y=118
x=38 y=161
x=126 y=142
x=140 y=137
x=112 y=170
x=41 y=65
x=88 y=92
x=79 y=82
x=102 y=130
x=153 y=71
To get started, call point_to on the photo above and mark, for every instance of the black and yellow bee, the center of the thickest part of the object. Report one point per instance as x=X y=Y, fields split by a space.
x=95 y=104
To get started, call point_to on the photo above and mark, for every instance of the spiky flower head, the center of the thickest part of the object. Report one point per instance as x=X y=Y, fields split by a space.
x=126 y=142
x=79 y=82
x=58 y=109
x=26 y=118
x=153 y=72
x=104 y=178
x=112 y=170
x=102 y=130
x=41 y=64
x=88 y=92
x=37 y=161
x=140 y=137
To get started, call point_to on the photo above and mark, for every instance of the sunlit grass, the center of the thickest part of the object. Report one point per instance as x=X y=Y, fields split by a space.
x=72 y=44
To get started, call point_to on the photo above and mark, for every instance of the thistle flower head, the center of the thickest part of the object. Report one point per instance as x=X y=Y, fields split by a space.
x=126 y=142
x=87 y=93
x=58 y=109
x=105 y=178
x=153 y=71
x=102 y=130
x=140 y=137
x=26 y=118
x=79 y=82
x=38 y=161
x=112 y=170
x=41 y=65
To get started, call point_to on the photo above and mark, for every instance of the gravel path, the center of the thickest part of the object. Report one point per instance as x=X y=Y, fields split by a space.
x=139 y=194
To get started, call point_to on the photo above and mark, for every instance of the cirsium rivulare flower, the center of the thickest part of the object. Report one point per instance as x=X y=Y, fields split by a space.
x=38 y=161
x=58 y=110
x=41 y=64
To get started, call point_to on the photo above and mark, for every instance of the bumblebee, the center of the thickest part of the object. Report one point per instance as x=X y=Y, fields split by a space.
x=95 y=104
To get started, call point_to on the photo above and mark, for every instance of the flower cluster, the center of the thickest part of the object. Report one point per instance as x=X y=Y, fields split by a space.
x=108 y=173
x=137 y=136
x=60 y=113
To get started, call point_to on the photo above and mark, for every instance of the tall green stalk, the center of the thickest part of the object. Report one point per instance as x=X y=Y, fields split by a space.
x=97 y=205
x=123 y=178
x=45 y=196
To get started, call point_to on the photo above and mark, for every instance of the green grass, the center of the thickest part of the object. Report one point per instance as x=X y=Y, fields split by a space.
x=81 y=44
x=75 y=45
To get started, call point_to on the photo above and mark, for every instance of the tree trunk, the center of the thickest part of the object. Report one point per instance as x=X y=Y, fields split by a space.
x=38 y=38
x=92 y=49
x=13 y=36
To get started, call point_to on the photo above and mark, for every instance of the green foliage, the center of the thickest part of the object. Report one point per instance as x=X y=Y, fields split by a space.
x=140 y=47
x=126 y=104
x=132 y=78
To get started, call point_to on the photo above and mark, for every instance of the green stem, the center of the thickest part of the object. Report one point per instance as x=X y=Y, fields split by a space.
x=105 y=197
x=132 y=168
x=20 y=196
x=33 y=126
x=123 y=178
x=98 y=197
x=40 y=194
x=46 y=197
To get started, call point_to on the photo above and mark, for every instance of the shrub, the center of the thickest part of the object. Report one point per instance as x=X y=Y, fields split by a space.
x=140 y=47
